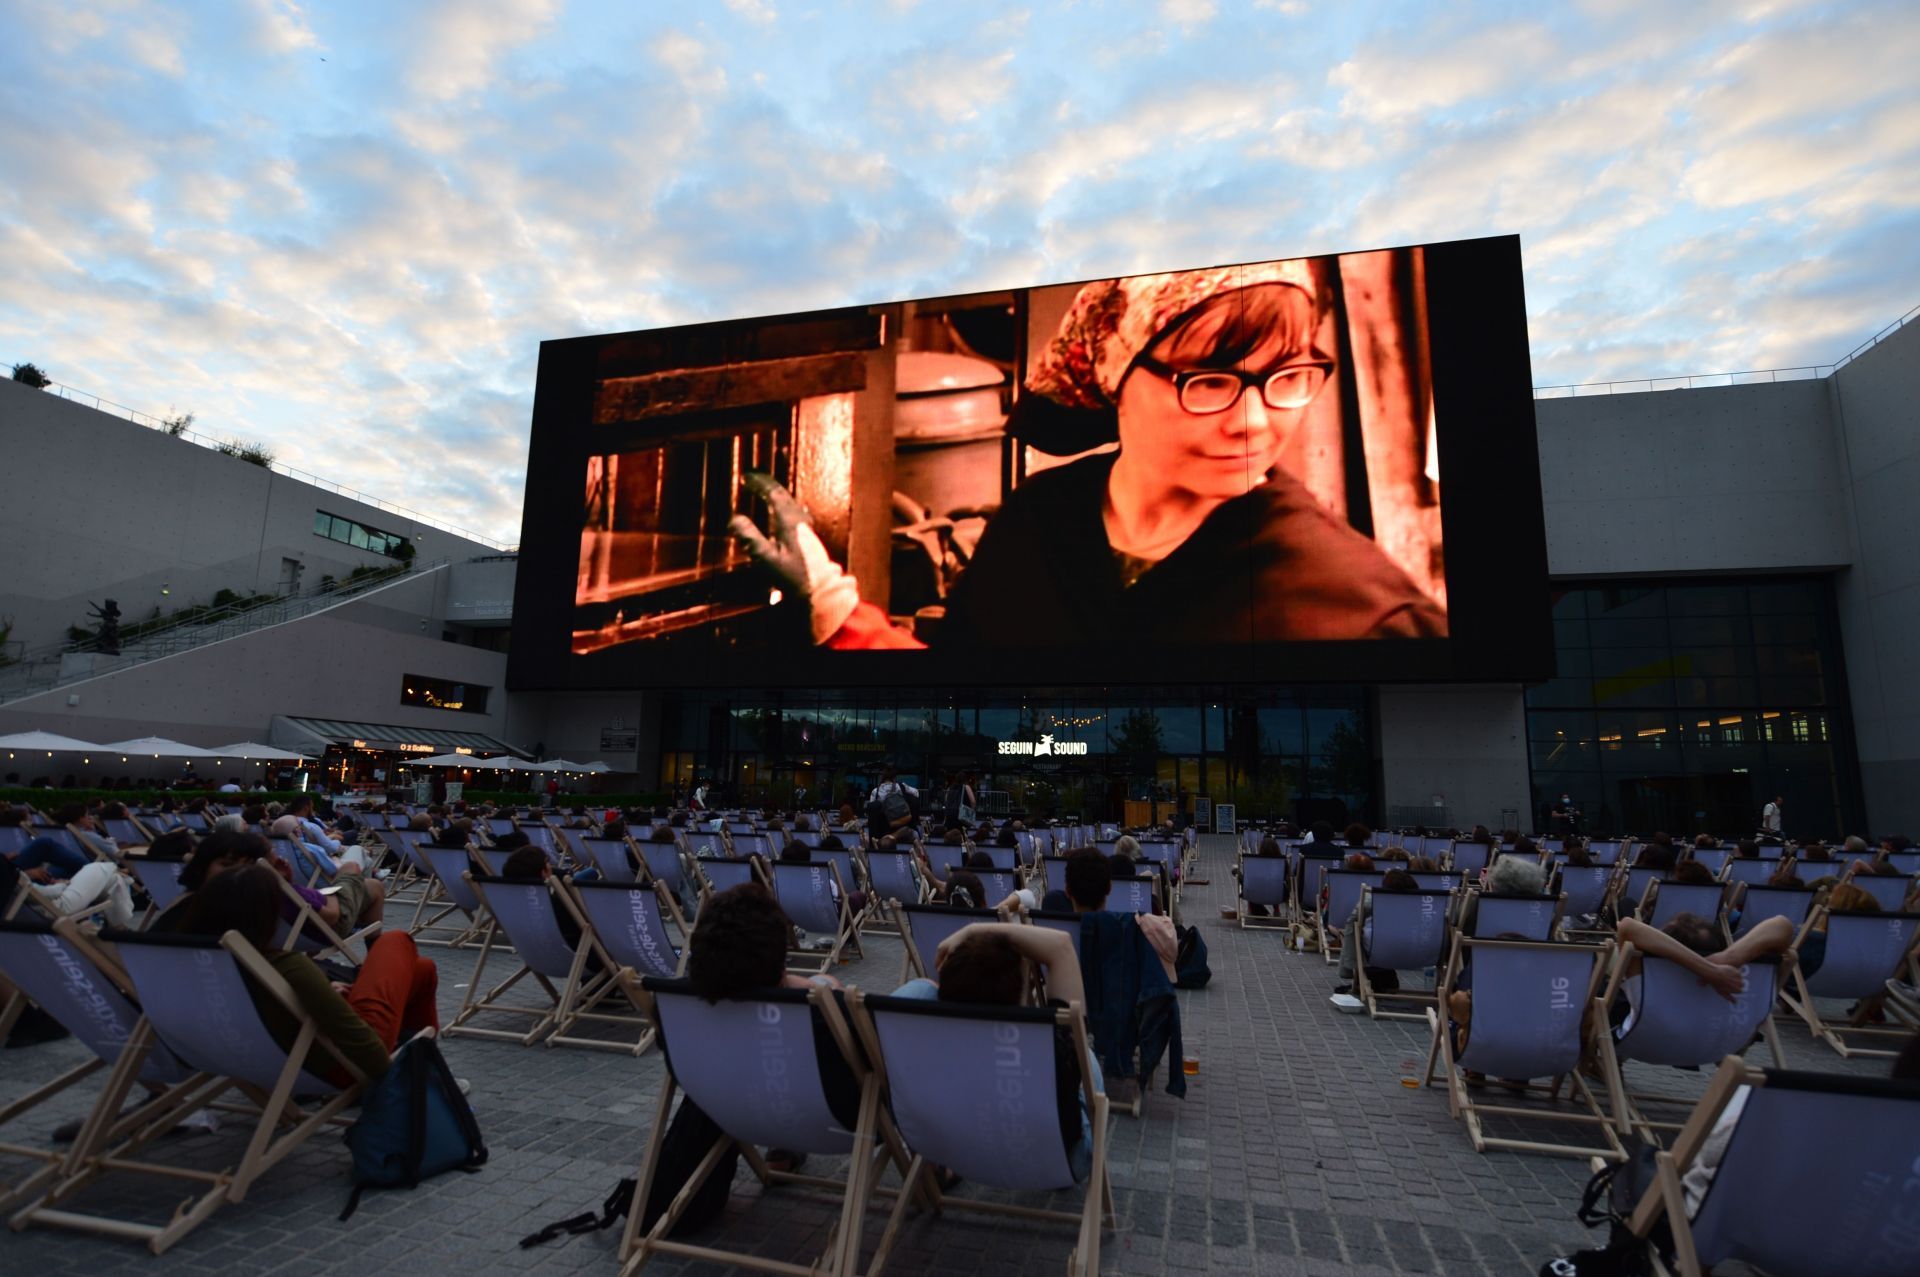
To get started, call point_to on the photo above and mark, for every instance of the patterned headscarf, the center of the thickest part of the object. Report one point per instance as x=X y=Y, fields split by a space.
x=1112 y=321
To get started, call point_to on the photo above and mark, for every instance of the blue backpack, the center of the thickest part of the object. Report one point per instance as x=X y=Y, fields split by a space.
x=414 y=1123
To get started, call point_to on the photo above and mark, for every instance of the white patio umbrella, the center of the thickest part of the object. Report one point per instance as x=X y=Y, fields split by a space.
x=49 y=742
x=467 y=760
x=156 y=747
x=253 y=750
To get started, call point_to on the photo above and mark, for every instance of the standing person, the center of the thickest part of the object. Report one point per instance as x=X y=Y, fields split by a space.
x=1770 y=816
x=1202 y=378
x=700 y=796
x=891 y=806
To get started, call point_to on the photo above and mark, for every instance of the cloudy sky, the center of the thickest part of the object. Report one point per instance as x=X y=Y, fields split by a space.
x=343 y=228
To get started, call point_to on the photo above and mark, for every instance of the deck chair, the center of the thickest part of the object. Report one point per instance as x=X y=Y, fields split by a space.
x=1630 y=892
x=1407 y=932
x=1470 y=857
x=571 y=843
x=1671 y=899
x=1759 y=903
x=752 y=1065
x=1530 y=1019
x=631 y=921
x=1864 y=950
x=1586 y=888
x=1753 y=873
x=720 y=875
x=1344 y=887
x=1681 y=1023
x=449 y=866
x=1807 y=1150
x=815 y=900
x=1066 y=923
x=1604 y=852
x=1130 y=895
x=1442 y=882
x=842 y=859
x=125 y=832
x=999 y=883
x=1534 y=917
x=160 y=879
x=923 y=927
x=1715 y=859
x=523 y=912
x=704 y=845
x=944 y=858
x=611 y=857
x=61 y=969
x=893 y=877
x=1888 y=892
x=751 y=844
x=195 y=994
x=1263 y=881
x=314 y=936
x=944 y=1067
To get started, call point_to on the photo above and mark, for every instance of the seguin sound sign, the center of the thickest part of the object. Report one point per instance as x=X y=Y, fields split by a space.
x=1046 y=745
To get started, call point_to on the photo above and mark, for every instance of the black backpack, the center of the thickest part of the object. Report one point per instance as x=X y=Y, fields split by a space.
x=689 y=1136
x=414 y=1123
x=1190 y=969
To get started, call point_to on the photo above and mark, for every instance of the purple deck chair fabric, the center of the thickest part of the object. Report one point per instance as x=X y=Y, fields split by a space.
x=1715 y=859
x=1887 y=892
x=1066 y=923
x=12 y=839
x=1837 y=1148
x=1471 y=857
x=448 y=865
x=1004 y=858
x=1635 y=888
x=664 y=863
x=609 y=856
x=573 y=841
x=808 y=896
x=704 y=845
x=805 y=837
x=493 y=858
x=197 y=1002
x=1131 y=895
x=1440 y=882
x=1863 y=950
x=1671 y=899
x=1752 y=872
x=402 y=849
x=1031 y=848
x=842 y=860
x=67 y=985
x=159 y=878
x=1603 y=853
x=1907 y=862
x=947 y=1066
x=739 y=827
x=892 y=875
x=524 y=912
x=928 y=925
x=1527 y=1004
x=1162 y=852
x=541 y=836
x=724 y=874
x=944 y=858
x=1530 y=916
x=1263 y=880
x=750 y=1065
x=1343 y=892
x=745 y=845
x=1680 y=1021
x=1409 y=930
x=1757 y=904
x=999 y=883
x=1106 y=846
x=630 y=924
x=124 y=832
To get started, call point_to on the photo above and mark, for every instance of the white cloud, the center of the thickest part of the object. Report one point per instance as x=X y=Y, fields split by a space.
x=758 y=11
x=691 y=61
x=280 y=26
x=1189 y=13
x=458 y=42
x=1411 y=75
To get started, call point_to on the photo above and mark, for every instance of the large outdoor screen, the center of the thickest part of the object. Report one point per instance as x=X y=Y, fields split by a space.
x=1305 y=469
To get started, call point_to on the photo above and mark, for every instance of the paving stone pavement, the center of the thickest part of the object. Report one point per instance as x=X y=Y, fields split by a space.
x=1296 y=1151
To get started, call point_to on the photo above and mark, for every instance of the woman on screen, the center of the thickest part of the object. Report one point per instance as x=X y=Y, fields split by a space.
x=1190 y=532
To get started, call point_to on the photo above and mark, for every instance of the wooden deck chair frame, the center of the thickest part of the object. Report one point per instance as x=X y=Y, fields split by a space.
x=1095 y=1216
x=913 y=966
x=572 y=1002
x=1799 y=1000
x=351 y=947
x=882 y=916
x=1630 y=1106
x=281 y=1125
x=874 y=1131
x=1665 y=1199
x=436 y=893
x=1462 y=1105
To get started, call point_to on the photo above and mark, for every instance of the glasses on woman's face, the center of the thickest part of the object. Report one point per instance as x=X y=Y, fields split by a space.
x=1204 y=391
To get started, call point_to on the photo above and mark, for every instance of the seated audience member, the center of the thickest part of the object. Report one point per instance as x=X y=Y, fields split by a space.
x=1320 y=843
x=173 y=846
x=233 y=823
x=1842 y=897
x=1815 y=853
x=98 y=885
x=1746 y=849
x=1576 y=854
x=1359 y=932
x=992 y=964
x=297 y=821
x=1699 y=945
x=1269 y=849
x=528 y=863
x=1705 y=842
x=393 y=997
x=43 y=858
x=739 y=947
x=1506 y=876
x=1657 y=855
x=81 y=823
x=1358 y=835
x=1089 y=881
x=1692 y=871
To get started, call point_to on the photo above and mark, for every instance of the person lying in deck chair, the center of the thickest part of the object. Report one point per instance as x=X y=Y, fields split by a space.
x=97 y=885
x=222 y=851
x=394 y=996
x=986 y=963
x=738 y=945
x=1699 y=945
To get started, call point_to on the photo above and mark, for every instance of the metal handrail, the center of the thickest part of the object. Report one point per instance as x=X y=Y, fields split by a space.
x=147 y=419
x=44 y=669
x=1751 y=377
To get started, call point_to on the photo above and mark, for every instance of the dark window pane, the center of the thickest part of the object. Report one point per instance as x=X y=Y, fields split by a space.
x=1623 y=602
x=1804 y=691
x=358 y=537
x=342 y=529
x=1706 y=600
x=1627 y=631
x=1786 y=630
x=322 y=523
x=1696 y=631
x=1571 y=605
x=1786 y=596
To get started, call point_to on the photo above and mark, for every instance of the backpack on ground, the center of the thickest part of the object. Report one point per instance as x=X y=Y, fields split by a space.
x=1190 y=967
x=689 y=1137
x=414 y=1124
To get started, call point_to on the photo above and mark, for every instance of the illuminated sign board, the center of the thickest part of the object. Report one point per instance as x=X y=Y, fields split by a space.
x=1046 y=746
